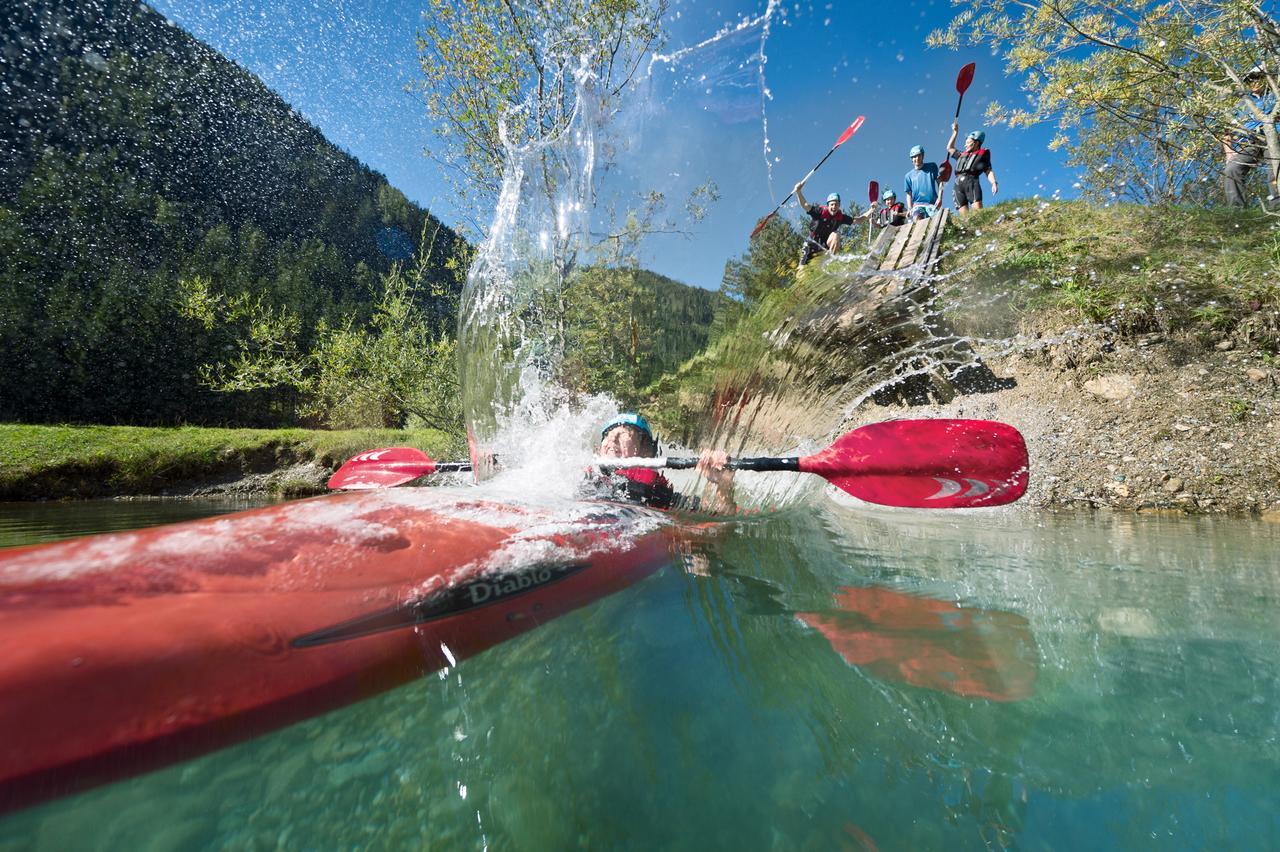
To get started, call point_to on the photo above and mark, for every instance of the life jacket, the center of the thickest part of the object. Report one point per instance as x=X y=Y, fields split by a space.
x=635 y=485
x=826 y=222
x=892 y=214
x=966 y=162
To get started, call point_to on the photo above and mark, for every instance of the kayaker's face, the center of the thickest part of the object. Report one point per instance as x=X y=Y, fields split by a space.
x=623 y=442
x=917 y=160
x=833 y=207
x=971 y=144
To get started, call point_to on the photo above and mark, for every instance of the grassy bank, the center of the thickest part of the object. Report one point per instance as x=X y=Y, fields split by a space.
x=39 y=462
x=1205 y=275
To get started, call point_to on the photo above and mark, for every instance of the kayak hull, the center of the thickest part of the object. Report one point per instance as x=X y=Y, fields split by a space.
x=124 y=652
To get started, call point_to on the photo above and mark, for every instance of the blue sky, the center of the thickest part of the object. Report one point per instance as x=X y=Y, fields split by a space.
x=344 y=63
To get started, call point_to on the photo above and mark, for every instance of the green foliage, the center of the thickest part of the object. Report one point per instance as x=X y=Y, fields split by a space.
x=492 y=68
x=81 y=461
x=137 y=162
x=769 y=264
x=1141 y=92
x=625 y=327
x=395 y=369
x=1136 y=269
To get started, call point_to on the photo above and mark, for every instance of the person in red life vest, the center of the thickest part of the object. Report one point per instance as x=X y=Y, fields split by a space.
x=628 y=436
x=887 y=211
x=828 y=219
x=971 y=163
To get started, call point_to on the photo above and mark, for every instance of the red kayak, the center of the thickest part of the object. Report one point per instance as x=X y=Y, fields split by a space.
x=120 y=653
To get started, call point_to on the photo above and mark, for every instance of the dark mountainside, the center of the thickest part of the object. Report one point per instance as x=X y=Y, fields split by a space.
x=682 y=325
x=134 y=158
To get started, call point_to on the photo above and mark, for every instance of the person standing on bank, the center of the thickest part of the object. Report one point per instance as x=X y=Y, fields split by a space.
x=1244 y=149
x=972 y=162
x=828 y=219
x=923 y=196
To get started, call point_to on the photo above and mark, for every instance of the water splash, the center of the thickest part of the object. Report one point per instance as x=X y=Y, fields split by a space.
x=553 y=217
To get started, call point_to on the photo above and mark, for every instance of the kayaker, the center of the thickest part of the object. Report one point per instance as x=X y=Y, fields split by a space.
x=628 y=436
x=971 y=162
x=828 y=219
x=923 y=197
x=1243 y=149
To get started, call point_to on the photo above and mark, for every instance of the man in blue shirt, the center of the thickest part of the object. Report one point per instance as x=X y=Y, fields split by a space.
x=923 y=196
x=1244 y=149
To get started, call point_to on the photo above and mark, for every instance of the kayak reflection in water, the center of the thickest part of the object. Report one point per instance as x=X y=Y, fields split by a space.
x=628 y=436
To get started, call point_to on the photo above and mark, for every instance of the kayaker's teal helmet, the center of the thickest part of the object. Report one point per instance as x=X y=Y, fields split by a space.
x=977 y=136
x=635 y=421
x=835 y=196
x=628 y=418
x=888 y=193
x=916 y=151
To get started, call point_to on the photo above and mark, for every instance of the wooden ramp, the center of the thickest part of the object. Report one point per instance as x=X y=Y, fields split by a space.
x=889 y=327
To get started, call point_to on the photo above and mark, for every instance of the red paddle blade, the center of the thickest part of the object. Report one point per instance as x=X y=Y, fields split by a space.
x=944 y=173
x=760 y=226
x=927 y=464
x=384 y=468
x=852 y=129
x=873 y=191
x=965 y=77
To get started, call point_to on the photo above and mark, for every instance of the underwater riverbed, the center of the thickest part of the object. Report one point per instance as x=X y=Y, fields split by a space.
x=832 y=677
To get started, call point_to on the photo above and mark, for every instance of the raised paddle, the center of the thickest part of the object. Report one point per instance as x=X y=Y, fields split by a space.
x=932 y=464
x=844 y=137
x=963 y=80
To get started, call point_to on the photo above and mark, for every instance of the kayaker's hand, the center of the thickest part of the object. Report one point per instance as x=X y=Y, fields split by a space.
x=798 y=187
x=994 y=189
x=711 y=465
x=955 y=126
x=719 y=494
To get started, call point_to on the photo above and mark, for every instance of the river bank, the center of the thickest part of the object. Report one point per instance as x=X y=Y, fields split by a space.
x=1141 y=345
x=1146 y=426
x=72 y=462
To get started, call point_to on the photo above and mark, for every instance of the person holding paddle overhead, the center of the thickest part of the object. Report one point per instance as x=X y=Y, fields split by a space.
x=828 y=219
x=923 y=197
x=973 y=161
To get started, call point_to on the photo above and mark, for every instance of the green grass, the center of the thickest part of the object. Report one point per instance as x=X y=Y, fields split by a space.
x=1208 y=272
x=73 y=461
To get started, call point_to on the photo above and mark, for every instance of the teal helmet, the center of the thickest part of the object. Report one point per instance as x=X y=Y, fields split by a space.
x=977 y=136
x=916 y=150
x=628 y=418
x=888 y=193
x=835 y=196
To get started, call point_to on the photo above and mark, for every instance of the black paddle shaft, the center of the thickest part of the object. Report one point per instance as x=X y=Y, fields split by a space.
x=764 y=463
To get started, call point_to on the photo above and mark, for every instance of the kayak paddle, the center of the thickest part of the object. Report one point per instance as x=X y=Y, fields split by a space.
x=388 y=467
x=931 y=464
x=844 y=137
x=963 y=80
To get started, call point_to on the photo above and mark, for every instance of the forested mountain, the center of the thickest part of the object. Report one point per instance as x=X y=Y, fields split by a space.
x=626 y=327
x=134 y=160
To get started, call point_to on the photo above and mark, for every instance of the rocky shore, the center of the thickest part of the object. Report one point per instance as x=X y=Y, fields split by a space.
x=1152 y=424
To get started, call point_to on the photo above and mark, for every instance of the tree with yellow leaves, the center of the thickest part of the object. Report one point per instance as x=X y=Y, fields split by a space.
x=1142 y=93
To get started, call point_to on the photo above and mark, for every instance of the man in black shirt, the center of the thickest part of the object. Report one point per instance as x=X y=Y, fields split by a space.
x=827 y=221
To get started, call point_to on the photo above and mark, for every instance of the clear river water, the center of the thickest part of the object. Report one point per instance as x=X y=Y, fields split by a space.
x=827 y=677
